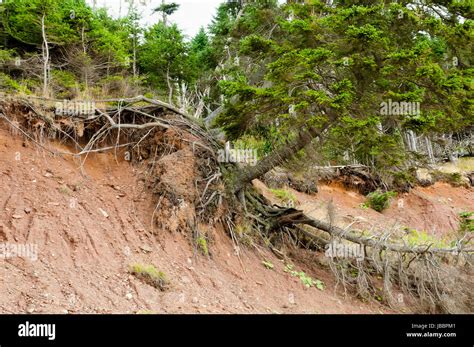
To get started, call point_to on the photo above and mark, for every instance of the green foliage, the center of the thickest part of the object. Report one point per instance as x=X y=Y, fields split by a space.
x=22 y=20
x=380 y=201
x=254 y=143
x=10 y=85
x=305 y=279
x=422 y=238
x=111 y=38
x=167 y=9
x=403 y=179
x=200 y=55
x=268 y=264
x=285 y=196
x=223 y=20
x=365 y=142
x=334 y=65
x=201 y=242
x=97 y=44
x=467 y=222
x=163 y=55
x=281 y=68
x=453 y=178
x=149 y=274
x=64 y=83
x=6 y=56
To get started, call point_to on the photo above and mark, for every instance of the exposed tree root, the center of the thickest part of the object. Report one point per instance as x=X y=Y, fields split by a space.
x=434 y=279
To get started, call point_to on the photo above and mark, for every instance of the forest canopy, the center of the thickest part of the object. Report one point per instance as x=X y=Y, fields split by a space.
x=364 y=77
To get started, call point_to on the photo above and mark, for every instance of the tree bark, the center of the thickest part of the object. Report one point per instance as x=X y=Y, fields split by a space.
x=45 y=59
x=298 y=217
x=278 y=157
x=170 y=87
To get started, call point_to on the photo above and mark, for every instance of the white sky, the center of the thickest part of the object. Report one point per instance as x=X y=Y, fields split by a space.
x=191 y=15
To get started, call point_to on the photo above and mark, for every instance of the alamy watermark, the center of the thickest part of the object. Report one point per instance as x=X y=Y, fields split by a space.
x=75 y=108
x=19 y=250
x=28 y=329
x=400 y=108
x=232 y=155
x=342 y=250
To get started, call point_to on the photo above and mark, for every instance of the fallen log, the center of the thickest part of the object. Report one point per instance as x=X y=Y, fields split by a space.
x=298 y=217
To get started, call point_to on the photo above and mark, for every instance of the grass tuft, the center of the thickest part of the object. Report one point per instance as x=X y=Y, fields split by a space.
x=150 y=275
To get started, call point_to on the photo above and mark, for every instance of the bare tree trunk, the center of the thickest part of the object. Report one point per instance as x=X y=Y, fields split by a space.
x=164 y=14
x=86 y=75
x=134 y=54
x=298 y=217
x=45 y=52
x=429 y=148
x=134 y=59
x=201 y=103
x=108 y=65
x=278 y=157
x=413 y=141
x=170 y=86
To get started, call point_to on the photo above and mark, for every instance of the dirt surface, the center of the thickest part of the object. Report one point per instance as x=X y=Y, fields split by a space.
x=90 y=226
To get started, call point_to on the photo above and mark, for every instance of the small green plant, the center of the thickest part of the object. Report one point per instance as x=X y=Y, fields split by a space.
x=202 y=245
x=64 y=190
x=290 y=269
x=304 y=278
x=380 y=201
x=467 y=222
x=455 y=179
x=150 y=275
x=319 y=284
x=285 y=196
x=422 y=238
x=452 y=178
x=268 y=264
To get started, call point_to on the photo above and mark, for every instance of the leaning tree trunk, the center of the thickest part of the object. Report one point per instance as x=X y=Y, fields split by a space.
x=274 y=159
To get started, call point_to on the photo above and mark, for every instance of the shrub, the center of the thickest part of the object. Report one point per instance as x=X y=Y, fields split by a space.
x=379 y=201
x=5 y=56
x=10 y=85
x=64 y=84
x=453 y=178
x=404 y=180
x=467 y=222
